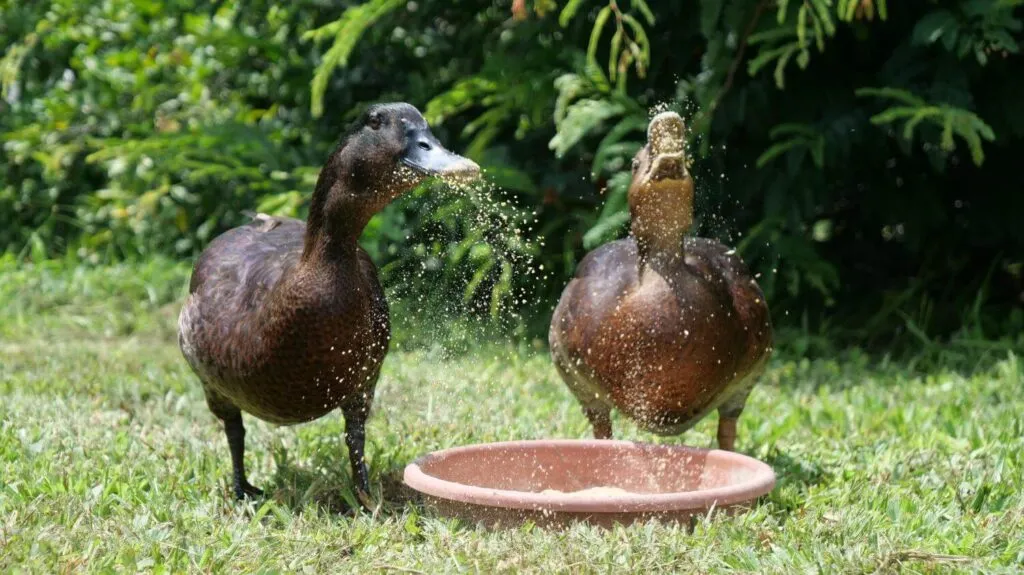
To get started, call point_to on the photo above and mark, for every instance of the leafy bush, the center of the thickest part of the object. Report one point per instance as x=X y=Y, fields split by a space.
x=859 y=153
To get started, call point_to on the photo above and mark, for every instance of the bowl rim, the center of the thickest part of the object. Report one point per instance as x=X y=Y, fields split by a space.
x=762 y=482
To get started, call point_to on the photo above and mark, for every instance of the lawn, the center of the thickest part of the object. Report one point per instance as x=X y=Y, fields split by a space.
x=110 y=460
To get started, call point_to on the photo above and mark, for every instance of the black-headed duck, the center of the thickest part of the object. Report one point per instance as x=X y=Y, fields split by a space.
x=286 y=319
x=661 y=326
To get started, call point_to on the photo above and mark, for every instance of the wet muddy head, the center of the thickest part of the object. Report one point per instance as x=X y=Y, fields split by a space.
x=661 y=193
x=665 y=142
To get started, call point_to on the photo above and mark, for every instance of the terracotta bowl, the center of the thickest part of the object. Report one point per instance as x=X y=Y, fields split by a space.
x=511 y=482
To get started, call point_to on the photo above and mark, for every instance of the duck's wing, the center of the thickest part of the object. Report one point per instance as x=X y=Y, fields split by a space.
x=601 y=279
x=230 y=280
x=599 y=282
x=239 y=267
x=720 y=264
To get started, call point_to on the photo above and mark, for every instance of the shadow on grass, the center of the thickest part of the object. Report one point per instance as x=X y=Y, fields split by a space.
x=327 y=484
x=794 y=478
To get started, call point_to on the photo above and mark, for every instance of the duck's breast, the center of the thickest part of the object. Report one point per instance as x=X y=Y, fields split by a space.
x=663 y=344
x=328 y=355
x=670 y=348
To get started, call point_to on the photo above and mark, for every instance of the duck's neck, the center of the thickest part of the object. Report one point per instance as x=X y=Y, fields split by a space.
x=336 y=220
x=342 y=205
x=660 y=221
x=349 y=191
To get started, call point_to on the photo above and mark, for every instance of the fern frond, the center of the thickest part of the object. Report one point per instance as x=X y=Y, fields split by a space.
x=463 y=95
x=642 y=7
x=595 y=33
x=951 y=121
x=347 y=31
x=795 y=137
x=583 y=117
x=571 y=7
x=607 y=148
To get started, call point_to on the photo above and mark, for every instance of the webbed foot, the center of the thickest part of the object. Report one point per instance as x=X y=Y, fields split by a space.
x=245 y=490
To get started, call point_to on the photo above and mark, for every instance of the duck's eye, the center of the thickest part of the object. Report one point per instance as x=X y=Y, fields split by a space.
x=374 y=121
x=636 y=164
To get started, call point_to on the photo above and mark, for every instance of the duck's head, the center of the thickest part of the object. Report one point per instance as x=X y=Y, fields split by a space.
x=388 y=152
x=661 y=193
x=395 y=138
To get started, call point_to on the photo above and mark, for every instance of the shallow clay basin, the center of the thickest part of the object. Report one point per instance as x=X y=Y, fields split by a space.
x=511 y=482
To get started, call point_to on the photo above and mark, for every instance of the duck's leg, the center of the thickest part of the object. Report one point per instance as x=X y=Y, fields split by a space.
x=728 y=414
x=727 y=431
x=597 y=412
x=234 y=429
x=355 y=439
x=601 y=420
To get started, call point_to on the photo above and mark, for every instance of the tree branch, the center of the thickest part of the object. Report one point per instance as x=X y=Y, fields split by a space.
x=731 y=76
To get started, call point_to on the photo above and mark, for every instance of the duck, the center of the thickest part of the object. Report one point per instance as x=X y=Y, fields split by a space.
x=662 y=326
x=285 y=319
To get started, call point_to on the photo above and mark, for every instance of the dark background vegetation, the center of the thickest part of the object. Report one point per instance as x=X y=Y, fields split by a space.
x=864 y=156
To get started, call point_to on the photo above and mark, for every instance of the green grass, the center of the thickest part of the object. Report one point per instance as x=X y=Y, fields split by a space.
x=110 y=461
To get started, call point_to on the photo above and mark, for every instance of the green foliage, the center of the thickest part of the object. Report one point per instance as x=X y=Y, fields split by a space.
x=346 y=32
x=825 y=137
x=977 y=27
x=795 y=136
x=132 y=131
x=814 y=18
x=914 y=110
